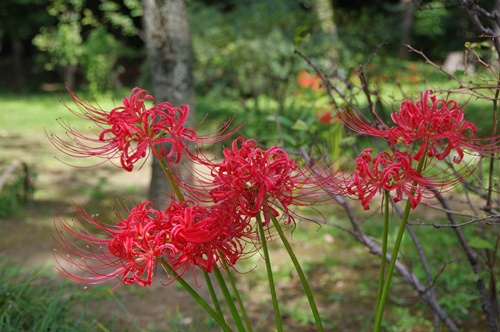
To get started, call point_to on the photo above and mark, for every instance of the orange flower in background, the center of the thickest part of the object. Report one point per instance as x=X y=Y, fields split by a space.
x=309 y=81
x=327 y=116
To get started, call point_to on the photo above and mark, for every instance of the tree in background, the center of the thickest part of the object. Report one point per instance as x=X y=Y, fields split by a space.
x=63 y=43
x=82 y=39
x=169 y=55
x=326 y=20
x=17 y=25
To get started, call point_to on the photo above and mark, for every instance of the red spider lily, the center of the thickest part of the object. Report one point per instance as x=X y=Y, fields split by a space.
x=438 y=126
x=203 y=236
x=258 y=180
x=132 y=130
x=391 y=172
x=184 y=235
x=127 y=249
x=435 y=126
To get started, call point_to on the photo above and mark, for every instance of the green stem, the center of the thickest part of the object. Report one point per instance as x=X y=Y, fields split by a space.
x=272 y=288
x=211 y=289
x=387 y=283
x=229 y=300
x=395 y=251
x=197 y=297
x=300 y=272
x=238 y=297
x=383 y=257
x=168 y=174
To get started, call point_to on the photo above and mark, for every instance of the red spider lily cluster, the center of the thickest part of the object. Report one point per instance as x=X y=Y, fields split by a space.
x=217 y=223
x=424 y=132
x=129 y=245
x=387 y=171
x=214 y=228
x=132 y=130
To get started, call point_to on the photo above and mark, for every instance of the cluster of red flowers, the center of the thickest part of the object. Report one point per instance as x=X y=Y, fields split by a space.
x=256 y=180
x=131 y=131
x=214 y=228
x=424 y=132
x=130 y=247
x=387 y=171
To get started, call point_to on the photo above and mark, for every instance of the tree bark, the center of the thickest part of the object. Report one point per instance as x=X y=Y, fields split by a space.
x=324 y=12
x=408 y=9
x=169 y=55
x=18 y=60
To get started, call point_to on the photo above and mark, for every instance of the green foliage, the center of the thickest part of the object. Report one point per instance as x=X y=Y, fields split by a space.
x=112 y=12
x=404 y=320
x=83 y=38
x=101 y=53
x=238 y=54
x=30 y=302
x=438 y=30
x=22 y=17
x=246 y=56
x=15 y=193
x=63 y=43
x=360 y=36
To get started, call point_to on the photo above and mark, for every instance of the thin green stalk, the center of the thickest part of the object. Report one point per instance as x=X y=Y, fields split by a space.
x=300 y=272
x=383 y=257
x=211 y=289
x=229 y=300
x=395 y=251
x=238 y=297
x=197 y=297
x=272 y=288
x=169 y=175
x=390 y=270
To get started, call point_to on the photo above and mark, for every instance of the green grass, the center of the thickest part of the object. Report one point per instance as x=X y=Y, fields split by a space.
x=31 y=300
x=36 y=112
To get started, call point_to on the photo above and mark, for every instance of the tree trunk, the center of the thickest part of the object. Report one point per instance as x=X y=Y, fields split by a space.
x=408 y=9
x=324 y=13
x=169 y=55
x=18 y=61
x=68 y=73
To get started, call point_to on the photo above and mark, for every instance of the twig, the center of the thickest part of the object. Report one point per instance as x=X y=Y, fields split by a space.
x=329 y=86
x=429 y=61
x=473 y=221
x=475 y=264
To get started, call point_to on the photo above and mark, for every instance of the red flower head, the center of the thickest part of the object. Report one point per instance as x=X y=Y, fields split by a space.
x=257 y=180
x=131 y=130
x=183 y=236
x=127 y=249
x=391 y=172
x=203 y=236
x=434 y=127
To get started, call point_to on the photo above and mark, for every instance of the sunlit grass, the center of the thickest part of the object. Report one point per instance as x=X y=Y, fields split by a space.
x=35 y=113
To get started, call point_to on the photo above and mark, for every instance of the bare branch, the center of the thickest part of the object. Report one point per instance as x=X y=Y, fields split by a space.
x=429 y=61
